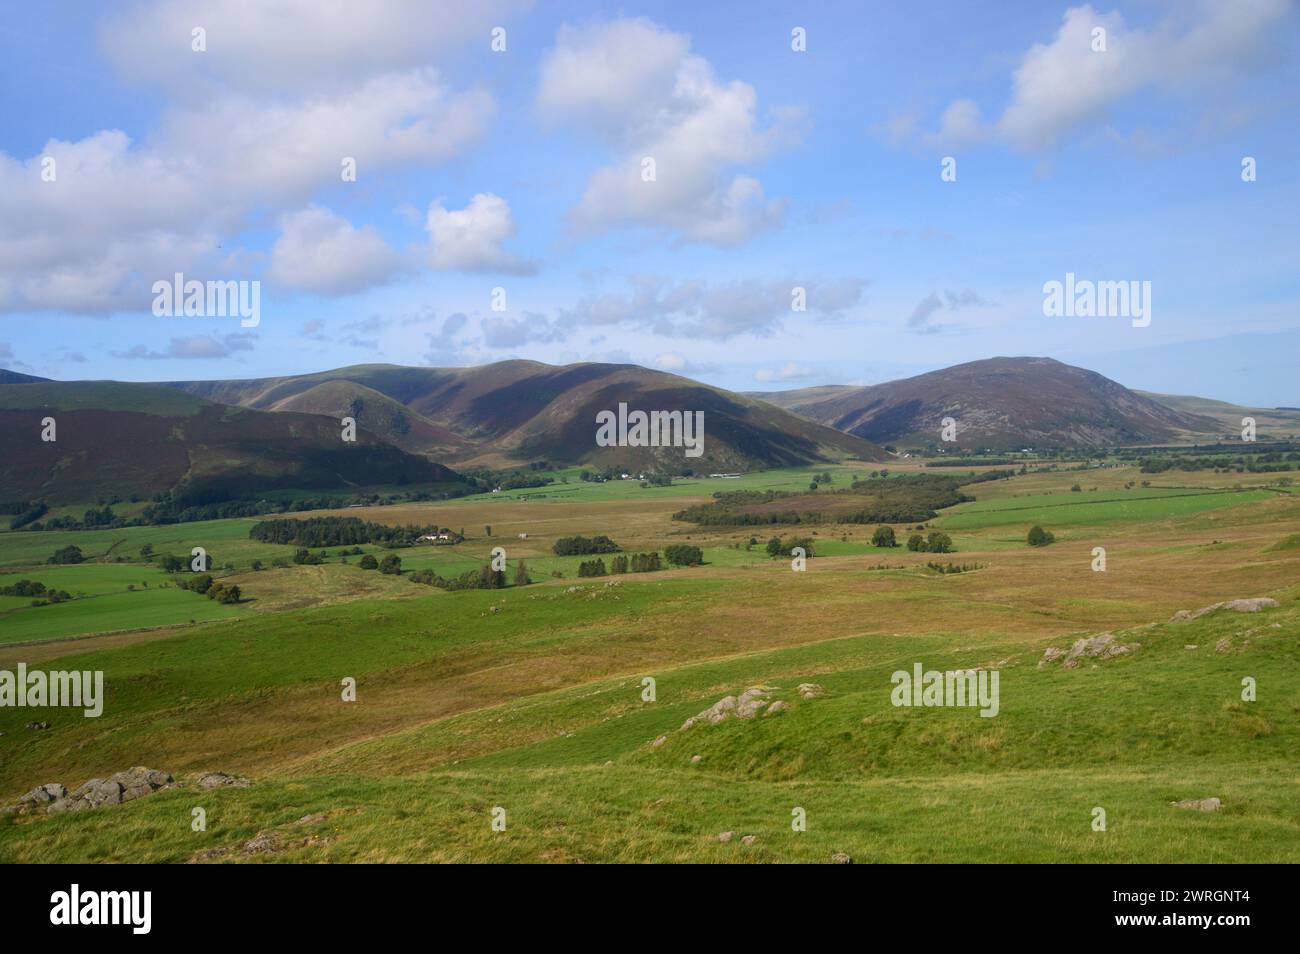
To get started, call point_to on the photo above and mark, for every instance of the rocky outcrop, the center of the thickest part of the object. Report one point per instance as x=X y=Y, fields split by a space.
x=54 y=798
x=211 y=780
x=1101 y=646
x=119 y=788
x=1253 y=605
x=745 y=706
x=1199 y=804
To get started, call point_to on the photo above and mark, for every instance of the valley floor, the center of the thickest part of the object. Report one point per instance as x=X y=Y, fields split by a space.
x=529 y=706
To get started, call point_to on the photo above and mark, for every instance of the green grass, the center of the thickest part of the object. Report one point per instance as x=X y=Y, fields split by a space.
x=537 y=706
x=103 y=603
x=579 y=781
x=1080 y=509
x=226 y=539
x=109 y=613
x=785 y=478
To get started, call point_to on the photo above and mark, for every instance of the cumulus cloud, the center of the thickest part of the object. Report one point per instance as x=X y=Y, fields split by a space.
x=469 y=239
x=313 y=330
x=679 y=364
x=321 y=252
x=787 y=372
x=371 y=327
x=921 y=321
x=531 y=328
x=1064 y=85
x=959 y=125
x=443 y=347
x=696 y=309
x=290 y=46
x=195 y=346
x=638 y=87
x=91 y=229
x=257 y=124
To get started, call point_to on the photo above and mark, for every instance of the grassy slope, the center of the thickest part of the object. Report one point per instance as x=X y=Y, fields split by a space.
x=462 y=709
x=878 y=782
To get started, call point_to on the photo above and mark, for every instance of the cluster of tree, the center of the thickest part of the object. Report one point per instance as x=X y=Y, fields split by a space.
x=953 y=567
x=36 y=589
x=936 y=542
x=599 y=476
x=482 y=481
x=582 y=546
x=1233 y=448
x=335 y=531
x=657 y=480
x=777 y=547
x=186 y=507
x=484 y=578
x=205 y=585
x=1038 y=537
x=884 y=537
x=391 y=565
x=32 y=513
x=1268 y=463
x=635 y=563
x=740 y=508
x=68 y=554
x=683 y=554
x=971 y=462
x=594 y=567
x=521 y=481
x=911 y=498
x=170 y=563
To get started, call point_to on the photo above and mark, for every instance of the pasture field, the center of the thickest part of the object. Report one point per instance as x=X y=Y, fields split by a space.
x=532 y=699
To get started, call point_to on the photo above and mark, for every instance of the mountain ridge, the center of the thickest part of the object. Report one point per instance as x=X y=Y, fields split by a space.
x=509 y=412
x=1001 y=403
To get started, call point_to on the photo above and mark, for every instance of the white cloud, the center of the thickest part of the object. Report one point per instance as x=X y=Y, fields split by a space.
x=282 y=150
x=787 y=372
x=291 y=45
x=637 y=87
x=925 y=310
x=443 y=348
x=1064 y=85
x=959 y=125
x=679 y=364
x=195 y=346
x=469 y=240
x=321 y=252
x=258 y=124
x=500 y=332
x=696 y=309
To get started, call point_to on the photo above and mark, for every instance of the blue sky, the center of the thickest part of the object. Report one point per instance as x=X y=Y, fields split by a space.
x=774 y=169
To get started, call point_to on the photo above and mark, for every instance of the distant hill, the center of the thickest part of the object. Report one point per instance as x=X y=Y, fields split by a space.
x=1278 y=423
x=513 y=411
x=119 y=439
x=17 y=377
x=999 y=403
